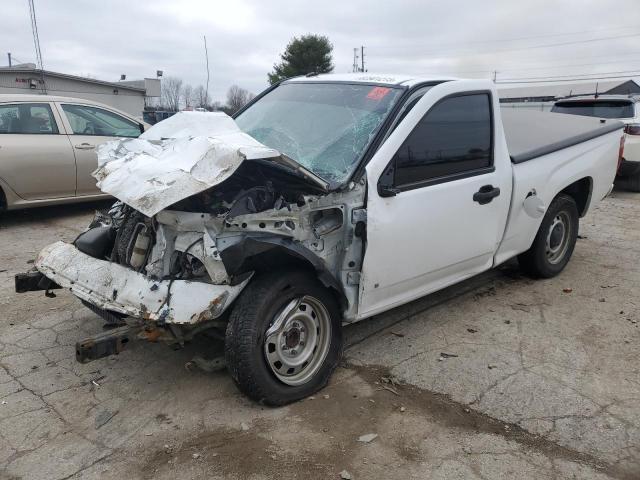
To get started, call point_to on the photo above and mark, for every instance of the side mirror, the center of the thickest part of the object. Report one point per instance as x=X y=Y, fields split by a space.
x=141 y=126
x=388 y=191
x=386 y=187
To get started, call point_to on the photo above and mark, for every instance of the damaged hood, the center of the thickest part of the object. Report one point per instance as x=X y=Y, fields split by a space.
x=179 y=157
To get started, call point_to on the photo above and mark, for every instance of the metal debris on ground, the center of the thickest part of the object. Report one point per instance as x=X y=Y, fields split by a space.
x=344 y=475
x=522 y=307
x=491 y=366
x=400 y=335
x=206 y=364
x=567 y=290
x=390 y=389
x=369 y=437
x=448 y=355
x=472 y=330
x=244 y=427
x=104 y=417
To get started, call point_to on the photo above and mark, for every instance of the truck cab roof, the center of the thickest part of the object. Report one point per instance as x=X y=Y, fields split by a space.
x=369 y=78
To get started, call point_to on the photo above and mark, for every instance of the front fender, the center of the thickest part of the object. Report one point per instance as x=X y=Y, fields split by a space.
x=248 y=252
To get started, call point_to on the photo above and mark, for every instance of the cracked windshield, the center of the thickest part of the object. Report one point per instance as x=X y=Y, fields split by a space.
x=324 y=127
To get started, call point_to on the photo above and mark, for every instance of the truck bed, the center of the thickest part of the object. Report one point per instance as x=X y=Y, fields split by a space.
x=533 y=134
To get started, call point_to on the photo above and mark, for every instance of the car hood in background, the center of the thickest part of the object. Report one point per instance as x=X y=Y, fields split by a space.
x=176 y=158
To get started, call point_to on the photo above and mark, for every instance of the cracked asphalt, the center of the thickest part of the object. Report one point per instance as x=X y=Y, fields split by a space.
x=499 y=377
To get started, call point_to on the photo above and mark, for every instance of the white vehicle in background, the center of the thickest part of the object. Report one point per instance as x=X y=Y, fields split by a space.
x=328 y=200
x=620 y=107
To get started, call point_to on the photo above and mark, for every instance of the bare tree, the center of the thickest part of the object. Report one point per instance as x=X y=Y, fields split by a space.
x=187 y=96
x=171 y=93
x=237 y=98
x=200 y=97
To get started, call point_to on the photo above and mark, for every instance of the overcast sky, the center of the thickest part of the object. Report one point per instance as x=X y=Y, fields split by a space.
x=467 y=38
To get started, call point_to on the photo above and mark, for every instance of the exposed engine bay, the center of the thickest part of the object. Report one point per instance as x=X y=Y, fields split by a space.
x=260 y=218
x=198 y=215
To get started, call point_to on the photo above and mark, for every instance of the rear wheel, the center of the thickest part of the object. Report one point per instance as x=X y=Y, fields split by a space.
x=633 y=182
x=284 y=338
x=556 y=238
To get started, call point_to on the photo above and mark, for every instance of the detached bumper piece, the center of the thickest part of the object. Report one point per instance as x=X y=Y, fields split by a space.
x=116 y=288
x=33 y=282
x=104 y=344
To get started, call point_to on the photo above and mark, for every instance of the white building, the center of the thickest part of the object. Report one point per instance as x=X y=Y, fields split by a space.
x=542 y=95
x=130 y=97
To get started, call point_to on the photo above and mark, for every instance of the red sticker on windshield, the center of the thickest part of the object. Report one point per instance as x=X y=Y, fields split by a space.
x=378 y=93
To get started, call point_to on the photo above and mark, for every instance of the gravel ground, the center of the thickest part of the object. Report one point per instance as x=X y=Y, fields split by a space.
x=498 y=377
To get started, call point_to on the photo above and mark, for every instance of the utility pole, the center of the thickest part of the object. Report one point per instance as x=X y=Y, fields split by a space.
x=206 y=55
x=362 y=58
x=9 y=55
x=355 y=60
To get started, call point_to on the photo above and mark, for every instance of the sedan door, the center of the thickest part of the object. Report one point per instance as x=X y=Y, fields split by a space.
x=438 y=198
x=89 y=126
x=36 y=158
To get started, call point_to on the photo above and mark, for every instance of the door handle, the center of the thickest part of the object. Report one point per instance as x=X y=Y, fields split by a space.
x=85 y=146
x=486 y=194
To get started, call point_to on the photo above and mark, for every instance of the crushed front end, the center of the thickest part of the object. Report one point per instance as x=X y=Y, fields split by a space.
x=173 y=271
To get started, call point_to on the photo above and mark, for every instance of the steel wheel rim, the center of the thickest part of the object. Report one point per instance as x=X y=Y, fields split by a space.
x=557 y=241
x=298 y=340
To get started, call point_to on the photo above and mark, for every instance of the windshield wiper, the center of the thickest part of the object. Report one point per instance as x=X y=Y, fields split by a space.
x=300 y=170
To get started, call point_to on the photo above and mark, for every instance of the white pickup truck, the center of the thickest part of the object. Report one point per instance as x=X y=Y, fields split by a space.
x=329 y=199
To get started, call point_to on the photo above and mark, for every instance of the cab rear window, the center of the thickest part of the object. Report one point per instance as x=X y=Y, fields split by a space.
x=596 y=108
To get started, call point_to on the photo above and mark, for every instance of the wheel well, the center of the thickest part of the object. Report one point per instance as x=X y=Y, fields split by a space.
x=269 y=253
x=278 y=259
x=580 y=191
x=3 y=200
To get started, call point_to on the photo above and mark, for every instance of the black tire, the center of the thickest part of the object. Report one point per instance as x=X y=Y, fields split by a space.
x=254 y=311
x=537 y=261
x=633 y=182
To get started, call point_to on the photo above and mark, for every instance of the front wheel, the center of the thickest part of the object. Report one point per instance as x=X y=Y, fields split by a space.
x=556 y=238
x=284 y=338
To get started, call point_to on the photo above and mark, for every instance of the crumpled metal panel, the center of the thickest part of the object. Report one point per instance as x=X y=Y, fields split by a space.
x=179 y=157
x=110 y=286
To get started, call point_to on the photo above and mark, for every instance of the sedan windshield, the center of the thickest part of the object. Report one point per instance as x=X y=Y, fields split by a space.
x=325 y=127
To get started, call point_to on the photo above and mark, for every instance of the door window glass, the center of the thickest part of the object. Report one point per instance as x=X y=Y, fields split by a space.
x=454 y=137
x=86 y=120
x=27 y=118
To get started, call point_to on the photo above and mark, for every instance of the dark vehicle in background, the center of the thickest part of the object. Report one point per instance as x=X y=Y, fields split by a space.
x=154 y=116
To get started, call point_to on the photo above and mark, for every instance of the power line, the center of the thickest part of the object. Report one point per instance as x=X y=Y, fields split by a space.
x=565 y=80
x=545 y=67
x=206 y=54
x=572 y=77
x=531 y=47
x=36 y=42
x=515 y=39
